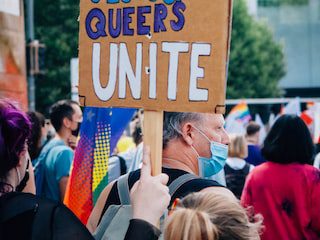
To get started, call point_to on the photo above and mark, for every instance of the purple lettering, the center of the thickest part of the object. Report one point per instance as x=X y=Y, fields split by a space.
x=141 y=19
x=127 y=19
x=115 y=31
x=160 y=14
x=178 y=9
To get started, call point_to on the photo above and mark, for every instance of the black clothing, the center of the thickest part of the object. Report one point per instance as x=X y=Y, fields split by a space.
x=235 y=178
x=194 y=185
x=26 y=216
x=141 y=230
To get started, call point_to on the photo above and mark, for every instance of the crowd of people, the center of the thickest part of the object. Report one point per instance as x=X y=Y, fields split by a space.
x=213 y=185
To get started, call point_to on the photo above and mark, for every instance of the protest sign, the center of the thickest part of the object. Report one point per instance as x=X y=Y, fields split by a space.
x=165 y=55
x=157 y=55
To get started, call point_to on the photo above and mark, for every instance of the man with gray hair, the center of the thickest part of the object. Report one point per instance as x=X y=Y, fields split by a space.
x=193 y=144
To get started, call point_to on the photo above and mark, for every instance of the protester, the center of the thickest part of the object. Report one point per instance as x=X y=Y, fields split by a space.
x=210 y=216
x=193 y=143
x=22 y=214
x=286 y=189
x=39 y=133
x=26 y=216
x=252 y=136
x=53 y=165
x=236 y=168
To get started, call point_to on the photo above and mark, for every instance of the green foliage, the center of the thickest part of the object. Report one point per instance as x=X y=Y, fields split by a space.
x=256 y=60
x=56 y=26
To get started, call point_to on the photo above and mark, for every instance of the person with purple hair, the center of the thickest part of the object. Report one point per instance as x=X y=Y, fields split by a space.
x=27 y=216
x=14 y=156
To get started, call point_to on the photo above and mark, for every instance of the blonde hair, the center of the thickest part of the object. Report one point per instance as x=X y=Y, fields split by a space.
x=210 y=216
x=238 y=146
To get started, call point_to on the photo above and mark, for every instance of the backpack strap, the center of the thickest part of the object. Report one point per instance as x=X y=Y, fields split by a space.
x=124 y=192
x=177 y=183
x=123 y=189
x=123 y=165
x=246 y=169
x=228 y=169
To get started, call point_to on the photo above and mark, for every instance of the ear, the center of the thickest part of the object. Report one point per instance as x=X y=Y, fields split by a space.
x=66 y=122
x=188 y=133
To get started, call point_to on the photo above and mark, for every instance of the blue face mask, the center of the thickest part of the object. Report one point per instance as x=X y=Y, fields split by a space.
x=214 y=164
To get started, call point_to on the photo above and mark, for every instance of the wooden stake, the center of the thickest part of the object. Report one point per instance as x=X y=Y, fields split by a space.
x=152 y=136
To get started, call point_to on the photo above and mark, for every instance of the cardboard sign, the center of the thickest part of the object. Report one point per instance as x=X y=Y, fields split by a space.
x=10 y=7
x=13 y=82
x=165 y=55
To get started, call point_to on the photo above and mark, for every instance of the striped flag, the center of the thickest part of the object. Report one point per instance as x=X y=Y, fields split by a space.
x=240 y=113
x=238 y=117
x=100 y=131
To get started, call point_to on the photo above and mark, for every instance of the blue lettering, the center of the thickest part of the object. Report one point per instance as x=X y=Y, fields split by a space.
x=100 y=25
x=141 y=28
x=127 y=19
x=178 y=9
x=160 y=14
x=115 y=31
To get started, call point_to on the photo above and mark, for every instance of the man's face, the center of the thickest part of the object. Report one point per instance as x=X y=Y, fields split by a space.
x=212 y=126
x=76 y=117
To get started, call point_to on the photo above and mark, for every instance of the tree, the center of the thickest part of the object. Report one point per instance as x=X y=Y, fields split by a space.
x=57 y=27
x=256 y=60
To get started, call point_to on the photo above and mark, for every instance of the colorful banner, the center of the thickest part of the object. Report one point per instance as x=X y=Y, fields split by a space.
x=238 y=117
x=100 y=132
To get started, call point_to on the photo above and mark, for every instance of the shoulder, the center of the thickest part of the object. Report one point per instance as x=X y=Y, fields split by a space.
x=311 y=171
x=266 y=166
x=194 y=185
x=304 y=173
x=254 y=149
x=258 y=172
x=99 y=207
x=63 y=152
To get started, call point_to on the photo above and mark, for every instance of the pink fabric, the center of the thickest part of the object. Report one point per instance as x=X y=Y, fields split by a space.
x=288 y=197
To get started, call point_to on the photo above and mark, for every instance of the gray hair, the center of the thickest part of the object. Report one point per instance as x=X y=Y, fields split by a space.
x=172 y=124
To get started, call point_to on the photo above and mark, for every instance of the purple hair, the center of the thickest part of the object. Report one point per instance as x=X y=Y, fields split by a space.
x=15 y=129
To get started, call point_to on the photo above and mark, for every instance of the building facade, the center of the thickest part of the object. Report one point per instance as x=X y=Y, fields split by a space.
x=296 y=25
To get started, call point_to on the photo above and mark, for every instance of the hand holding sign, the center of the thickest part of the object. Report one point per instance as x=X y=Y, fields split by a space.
x=150 y=195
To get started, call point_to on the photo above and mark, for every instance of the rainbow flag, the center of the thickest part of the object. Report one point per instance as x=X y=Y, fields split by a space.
x=240 y=113
x=100 y=131
x=238 y=117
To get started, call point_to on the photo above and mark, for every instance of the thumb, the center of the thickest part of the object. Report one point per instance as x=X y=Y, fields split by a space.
x=146 y=166
x=162 y=178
